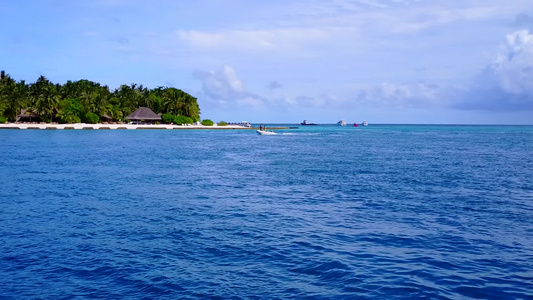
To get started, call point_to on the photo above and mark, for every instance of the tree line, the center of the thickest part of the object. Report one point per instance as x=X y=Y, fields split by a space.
x=86 y=101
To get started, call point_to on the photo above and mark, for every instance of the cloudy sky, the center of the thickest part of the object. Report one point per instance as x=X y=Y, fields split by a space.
x=384 y=61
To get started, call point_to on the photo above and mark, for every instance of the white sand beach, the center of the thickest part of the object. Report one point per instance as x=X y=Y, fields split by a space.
x=113 y=126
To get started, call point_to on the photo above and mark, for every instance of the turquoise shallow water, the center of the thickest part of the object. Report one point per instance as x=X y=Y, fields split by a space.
x=384 y=211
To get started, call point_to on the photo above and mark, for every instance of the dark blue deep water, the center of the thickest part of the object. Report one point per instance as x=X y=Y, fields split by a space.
x=440 y=212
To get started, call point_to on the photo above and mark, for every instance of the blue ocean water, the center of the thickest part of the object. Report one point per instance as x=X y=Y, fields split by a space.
x=325 y=212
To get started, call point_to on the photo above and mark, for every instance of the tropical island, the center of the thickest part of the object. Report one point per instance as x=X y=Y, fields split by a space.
x=88 y=102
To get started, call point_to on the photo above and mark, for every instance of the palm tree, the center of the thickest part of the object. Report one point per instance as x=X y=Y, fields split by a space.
x=96 y=99
x=191 y=109
x=172 y=101
x=141 y=95
x=125 y=96
x=3 y=76
x=17 y=94
x=44 y=96
x=7 y=91
x=48 y=101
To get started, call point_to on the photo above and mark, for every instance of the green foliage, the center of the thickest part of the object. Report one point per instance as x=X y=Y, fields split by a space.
x=91 y=118
x=13 y=96
x=70 y=111
x=222 y=123
x=69 y=119
x=168 y=118
x=156 y=103
x=45 y=98
x=3 y=119
x=180 y=120
x=207 y=122
x=114 y=110
x=48 y=99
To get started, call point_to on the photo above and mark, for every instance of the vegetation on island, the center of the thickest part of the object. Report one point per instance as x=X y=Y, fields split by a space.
x=207 y=122
x=87 y=101
x=222 y=123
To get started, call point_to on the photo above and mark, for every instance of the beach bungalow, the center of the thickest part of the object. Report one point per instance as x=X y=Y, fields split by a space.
x=106 y=119
x=26 y=116
x=143 y=115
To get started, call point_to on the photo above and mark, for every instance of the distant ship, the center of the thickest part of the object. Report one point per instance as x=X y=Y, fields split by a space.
x=341 y=123
x=365 y=123
x=305 y=122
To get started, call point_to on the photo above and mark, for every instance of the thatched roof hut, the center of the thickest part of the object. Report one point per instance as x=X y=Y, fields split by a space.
x=27 y=116
x=144 y=114
x=106 y=118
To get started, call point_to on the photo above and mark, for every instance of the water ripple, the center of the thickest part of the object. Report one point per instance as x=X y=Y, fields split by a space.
x=440 y=212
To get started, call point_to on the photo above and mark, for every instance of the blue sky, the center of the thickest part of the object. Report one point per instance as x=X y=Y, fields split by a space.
x=384 y=61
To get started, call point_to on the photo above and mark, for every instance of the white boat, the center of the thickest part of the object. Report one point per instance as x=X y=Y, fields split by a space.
x=341 y=123
x=365 y=123
x=263 y=132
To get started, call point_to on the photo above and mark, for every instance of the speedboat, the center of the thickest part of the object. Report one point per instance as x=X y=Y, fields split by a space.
x=305 y=122
x=341 y=123
x=365 y=123
x=264 y=132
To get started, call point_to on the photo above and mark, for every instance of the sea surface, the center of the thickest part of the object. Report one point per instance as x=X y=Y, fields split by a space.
x=319 y=212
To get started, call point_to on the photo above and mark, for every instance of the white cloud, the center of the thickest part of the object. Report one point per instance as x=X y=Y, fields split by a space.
x=307 y=102
x=385 y=95
x=223 y=88
x=513 y=67
x=251 y=39
x=398 y=95
x=231 y=78
x=250 y=101
x=505 y=85
x=424 y=18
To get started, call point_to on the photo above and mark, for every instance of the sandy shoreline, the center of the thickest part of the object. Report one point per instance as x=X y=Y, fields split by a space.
x=112 y=126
